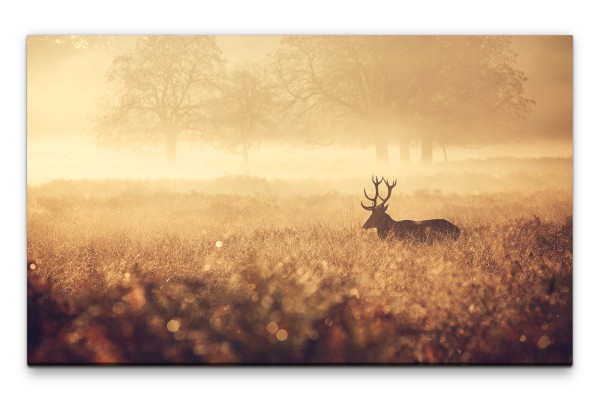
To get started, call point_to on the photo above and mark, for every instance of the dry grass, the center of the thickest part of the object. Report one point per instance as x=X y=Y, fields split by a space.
x=137 y=277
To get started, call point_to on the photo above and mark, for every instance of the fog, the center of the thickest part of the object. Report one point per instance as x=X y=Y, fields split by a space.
x=67 y=85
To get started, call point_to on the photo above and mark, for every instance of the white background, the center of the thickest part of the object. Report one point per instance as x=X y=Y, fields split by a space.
x=21 y=18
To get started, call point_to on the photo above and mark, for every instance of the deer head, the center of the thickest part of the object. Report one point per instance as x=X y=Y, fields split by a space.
x=378 y=212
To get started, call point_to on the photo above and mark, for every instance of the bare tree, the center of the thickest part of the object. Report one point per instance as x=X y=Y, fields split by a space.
x=466 y=91
x=246 y=110
x=351 y=80
x=161 y=91
x=450 y=90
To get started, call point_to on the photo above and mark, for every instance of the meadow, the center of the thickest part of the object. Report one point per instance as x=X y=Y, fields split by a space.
x=268 y=272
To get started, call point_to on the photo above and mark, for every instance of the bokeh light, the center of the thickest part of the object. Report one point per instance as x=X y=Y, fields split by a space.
x=173 y=325
x=272 y=327
x=118 y=308
x=282 y=335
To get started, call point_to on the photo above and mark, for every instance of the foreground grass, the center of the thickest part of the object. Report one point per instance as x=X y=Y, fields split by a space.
x=193 y=278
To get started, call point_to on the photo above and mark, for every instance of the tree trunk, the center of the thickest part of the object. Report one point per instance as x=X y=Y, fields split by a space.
x=171 y=149
x=381 y=152
x=245 y=153
x=445 y=155
x=404 y=151
x=426 y=150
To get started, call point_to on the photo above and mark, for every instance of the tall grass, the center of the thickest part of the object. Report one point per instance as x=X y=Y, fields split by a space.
x=161 y=276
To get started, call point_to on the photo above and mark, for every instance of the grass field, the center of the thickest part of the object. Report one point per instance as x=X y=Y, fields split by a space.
x=123 y=272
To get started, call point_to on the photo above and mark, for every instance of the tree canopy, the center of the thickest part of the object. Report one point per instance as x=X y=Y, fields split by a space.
x=466 y=91
x=246 y=111
x=349 y=80
x=162 y=89
x=353 y=90
x=391 y=89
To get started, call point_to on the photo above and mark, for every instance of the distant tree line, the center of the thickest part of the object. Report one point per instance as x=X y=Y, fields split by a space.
x=351 y=90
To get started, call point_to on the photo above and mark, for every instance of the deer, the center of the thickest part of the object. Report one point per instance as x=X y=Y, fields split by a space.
x=426 y=230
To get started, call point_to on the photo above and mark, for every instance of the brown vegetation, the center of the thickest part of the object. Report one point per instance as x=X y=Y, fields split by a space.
x=171 y=277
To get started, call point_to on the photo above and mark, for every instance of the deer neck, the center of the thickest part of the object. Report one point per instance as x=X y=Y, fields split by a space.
x=384 y=226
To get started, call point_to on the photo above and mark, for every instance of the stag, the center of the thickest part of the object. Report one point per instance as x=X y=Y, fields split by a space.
x=425 y=230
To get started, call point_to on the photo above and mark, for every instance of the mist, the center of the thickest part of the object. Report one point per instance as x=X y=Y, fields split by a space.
x=68 y=83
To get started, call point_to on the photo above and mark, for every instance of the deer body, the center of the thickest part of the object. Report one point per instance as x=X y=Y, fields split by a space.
x=425 y=230
x=421 y=230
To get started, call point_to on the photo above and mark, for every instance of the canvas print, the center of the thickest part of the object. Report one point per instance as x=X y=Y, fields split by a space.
x=299 y=199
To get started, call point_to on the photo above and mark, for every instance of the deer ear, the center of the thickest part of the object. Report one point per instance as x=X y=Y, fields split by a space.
x=385 y=208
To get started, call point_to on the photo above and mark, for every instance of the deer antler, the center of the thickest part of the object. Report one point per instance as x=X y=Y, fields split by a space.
x=376 y=182
x=389 y=187
x=367 y=207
